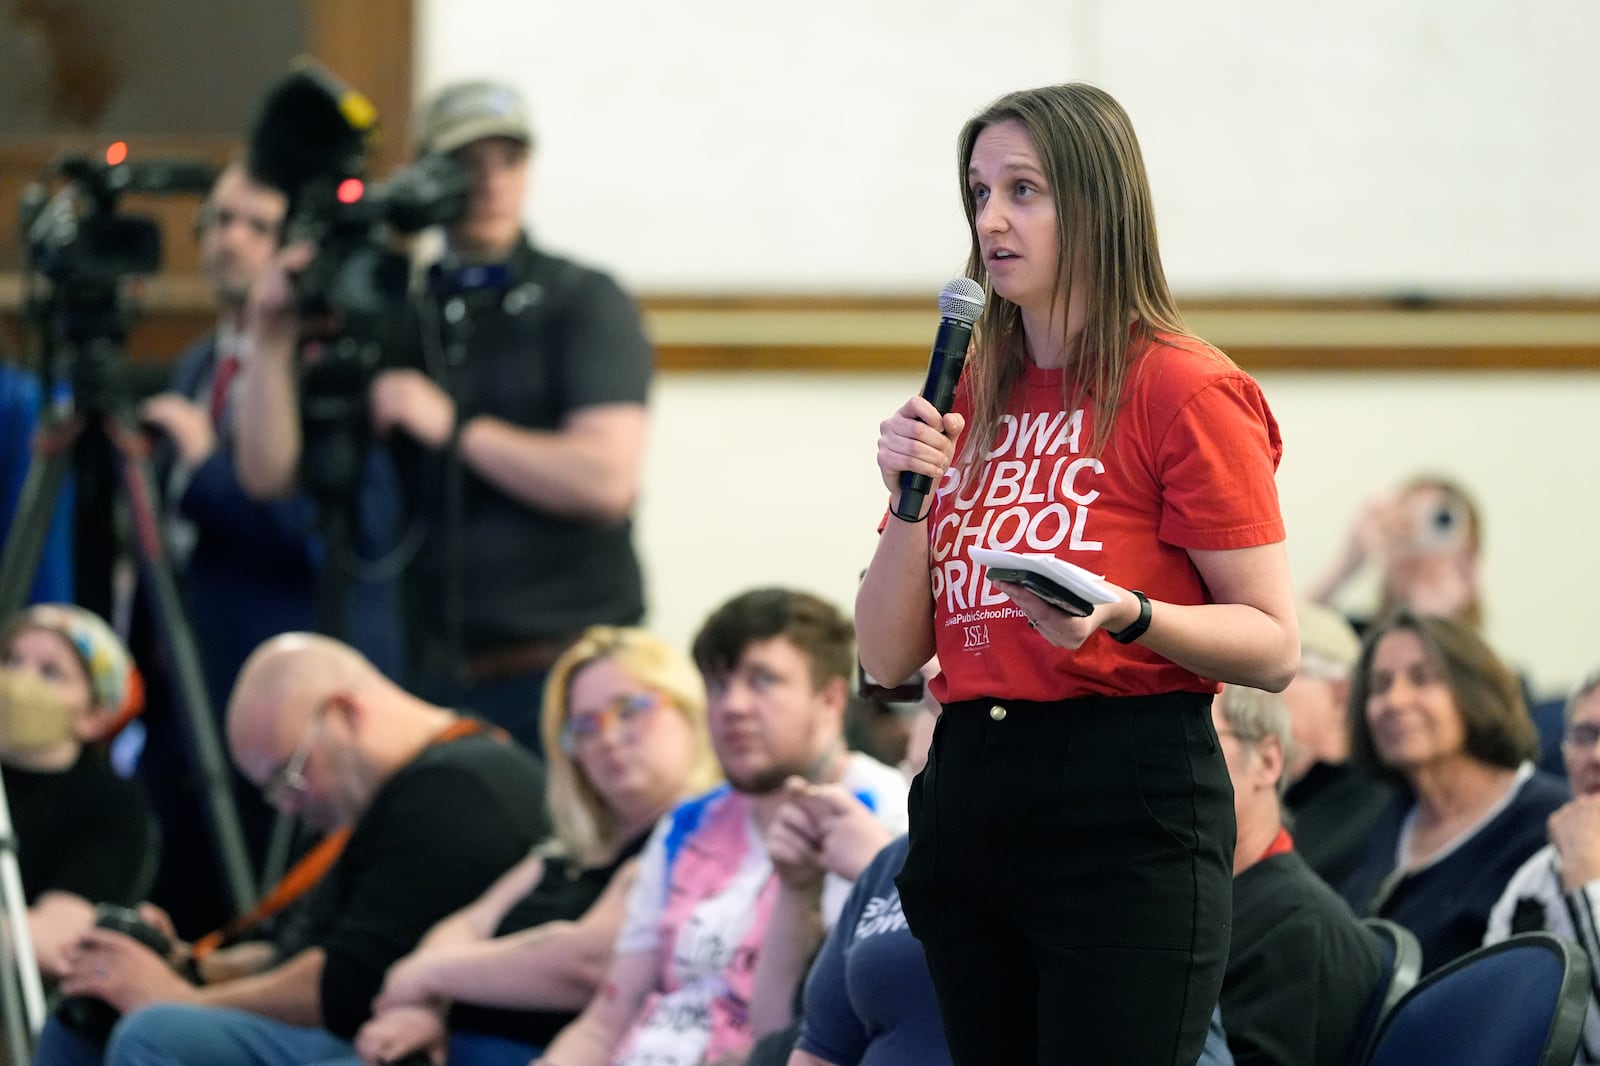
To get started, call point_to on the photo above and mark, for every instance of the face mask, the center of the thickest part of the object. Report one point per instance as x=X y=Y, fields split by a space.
x=32 y=716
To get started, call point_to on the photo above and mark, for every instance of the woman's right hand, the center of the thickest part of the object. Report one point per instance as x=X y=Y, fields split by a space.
x=916 y=438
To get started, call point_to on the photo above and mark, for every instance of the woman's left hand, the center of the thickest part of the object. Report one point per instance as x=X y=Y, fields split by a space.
x=406 y=984
x=388 y=1036
x=1067 y=630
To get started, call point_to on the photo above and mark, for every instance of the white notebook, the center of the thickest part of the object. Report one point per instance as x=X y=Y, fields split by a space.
x=1091 y=587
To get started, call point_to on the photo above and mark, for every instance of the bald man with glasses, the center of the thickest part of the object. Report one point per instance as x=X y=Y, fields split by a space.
x=425 y=809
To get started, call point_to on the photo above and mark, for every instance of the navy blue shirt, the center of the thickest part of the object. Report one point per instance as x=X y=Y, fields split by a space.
x=255 y=565
x=1446 y=904
x=869 y=999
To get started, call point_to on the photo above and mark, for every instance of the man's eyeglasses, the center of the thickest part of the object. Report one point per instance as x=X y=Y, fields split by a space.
x=291 y=778
x=626 y=713
x=1582 y=735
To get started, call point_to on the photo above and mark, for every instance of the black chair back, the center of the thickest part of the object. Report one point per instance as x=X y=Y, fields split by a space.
x=1402 y=965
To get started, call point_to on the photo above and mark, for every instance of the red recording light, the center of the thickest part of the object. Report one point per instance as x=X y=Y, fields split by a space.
x=116 y=152
x=350 y=190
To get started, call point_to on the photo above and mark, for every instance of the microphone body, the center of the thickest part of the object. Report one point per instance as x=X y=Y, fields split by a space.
x=960 y=304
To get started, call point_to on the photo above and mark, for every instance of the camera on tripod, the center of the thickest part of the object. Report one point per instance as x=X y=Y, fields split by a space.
x=82 y=248
x=78 y=236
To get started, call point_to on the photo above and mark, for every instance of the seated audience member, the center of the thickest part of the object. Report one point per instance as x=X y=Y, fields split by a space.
x=777 y=666
x=429 y=807
x=1424 y=539
x=1331 y=801
x=1431 y=706
x=84 y=835
x=1302 y=969
x=868 y=998
x=625 y=736
x=1558 y=889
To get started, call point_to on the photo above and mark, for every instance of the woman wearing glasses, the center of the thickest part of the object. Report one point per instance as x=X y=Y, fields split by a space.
x=1432 y=707
x=624 y=729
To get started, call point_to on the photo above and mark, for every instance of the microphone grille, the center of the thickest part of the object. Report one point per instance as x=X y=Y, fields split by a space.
x=961 y=299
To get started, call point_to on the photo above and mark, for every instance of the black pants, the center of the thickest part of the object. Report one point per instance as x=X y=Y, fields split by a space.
x=1070 y=878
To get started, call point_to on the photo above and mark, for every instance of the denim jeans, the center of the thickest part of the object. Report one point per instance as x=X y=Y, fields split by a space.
x=170 y=1034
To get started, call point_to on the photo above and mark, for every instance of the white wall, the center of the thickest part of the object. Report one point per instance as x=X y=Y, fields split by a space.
x=1432 y=145
x=769 y=479
x=1436 y=146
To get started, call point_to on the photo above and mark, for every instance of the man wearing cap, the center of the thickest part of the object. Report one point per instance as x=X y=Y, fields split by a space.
x=1332 y=802
x=520 y=418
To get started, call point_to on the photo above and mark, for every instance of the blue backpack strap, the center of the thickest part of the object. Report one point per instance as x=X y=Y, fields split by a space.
x=685 y=820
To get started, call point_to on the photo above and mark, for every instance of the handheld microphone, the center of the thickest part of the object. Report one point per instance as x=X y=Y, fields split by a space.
x=960 y=304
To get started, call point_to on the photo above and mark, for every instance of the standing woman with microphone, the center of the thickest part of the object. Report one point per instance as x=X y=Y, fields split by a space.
x=1069 y=872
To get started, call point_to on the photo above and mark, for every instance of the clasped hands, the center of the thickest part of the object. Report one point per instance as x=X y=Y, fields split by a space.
x=822 y=829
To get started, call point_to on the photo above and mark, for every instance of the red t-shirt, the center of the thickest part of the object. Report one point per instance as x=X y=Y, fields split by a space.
x=1189 y=464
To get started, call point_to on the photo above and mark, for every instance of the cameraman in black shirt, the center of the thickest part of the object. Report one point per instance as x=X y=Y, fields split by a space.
x=517 y=410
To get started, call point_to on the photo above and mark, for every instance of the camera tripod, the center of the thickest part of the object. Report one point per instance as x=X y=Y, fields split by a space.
x=23 y=1019
x=85 y=427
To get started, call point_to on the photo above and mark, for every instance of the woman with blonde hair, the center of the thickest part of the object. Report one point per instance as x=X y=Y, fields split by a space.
x=625 y=734
x=1070 y=861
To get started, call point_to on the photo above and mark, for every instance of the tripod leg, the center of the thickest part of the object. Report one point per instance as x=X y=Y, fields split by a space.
x=22 y=965
x=178 y=641
x=25 y=542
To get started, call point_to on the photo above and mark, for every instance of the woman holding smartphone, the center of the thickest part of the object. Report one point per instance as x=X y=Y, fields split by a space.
x=1070 y=861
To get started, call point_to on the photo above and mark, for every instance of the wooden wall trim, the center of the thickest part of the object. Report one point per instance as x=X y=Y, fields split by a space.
x=371 y=46
x=842 y=334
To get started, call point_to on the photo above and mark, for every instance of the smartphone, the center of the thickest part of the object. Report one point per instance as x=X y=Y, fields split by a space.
x=1056 y=595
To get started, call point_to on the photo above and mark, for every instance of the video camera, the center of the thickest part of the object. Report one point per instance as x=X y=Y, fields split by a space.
x=77 y=235
x=77 y=242
x=310 y=139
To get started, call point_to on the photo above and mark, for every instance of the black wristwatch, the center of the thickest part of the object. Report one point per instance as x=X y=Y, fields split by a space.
x=1137 y=627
